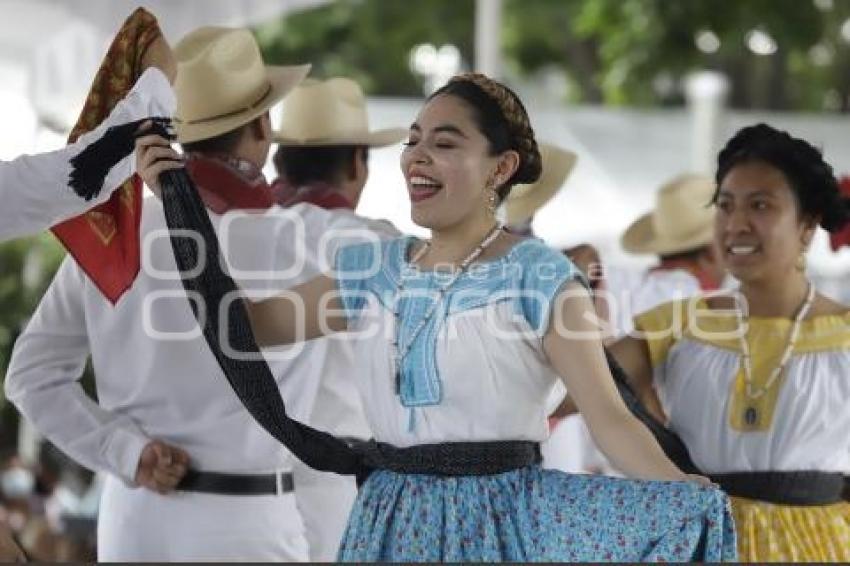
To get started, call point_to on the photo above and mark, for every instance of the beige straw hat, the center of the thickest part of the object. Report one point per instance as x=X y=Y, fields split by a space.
x=682 y=219
x=222 y=82
x=524 y=200
x=331 y=112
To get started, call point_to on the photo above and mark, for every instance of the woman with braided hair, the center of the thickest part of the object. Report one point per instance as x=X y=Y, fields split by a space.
x=757 y=385
x=466 y=335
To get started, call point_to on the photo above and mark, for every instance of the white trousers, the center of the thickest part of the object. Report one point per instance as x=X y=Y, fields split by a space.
x=136 y=524
x=325 y=501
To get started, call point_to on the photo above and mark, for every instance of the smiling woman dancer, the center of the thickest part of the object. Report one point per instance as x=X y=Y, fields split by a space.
x=758 y=388
x=480 y=324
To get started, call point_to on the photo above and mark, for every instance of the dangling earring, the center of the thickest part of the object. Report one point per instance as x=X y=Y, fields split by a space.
x=492 y=202
x=492 y=197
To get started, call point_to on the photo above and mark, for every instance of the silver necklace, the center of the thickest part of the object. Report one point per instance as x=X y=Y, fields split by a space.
x=751 y=413
x=399 y=354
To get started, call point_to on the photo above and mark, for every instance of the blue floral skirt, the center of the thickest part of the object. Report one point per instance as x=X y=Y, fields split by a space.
x=532 y=514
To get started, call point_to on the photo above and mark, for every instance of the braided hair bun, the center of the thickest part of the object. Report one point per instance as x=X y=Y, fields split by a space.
x=503 y=120
x=810 y=177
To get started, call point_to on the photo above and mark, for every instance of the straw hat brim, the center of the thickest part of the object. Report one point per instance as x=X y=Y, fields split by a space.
x=281 y=81
x=524 y=200
x=376 y=138
x=641 y=238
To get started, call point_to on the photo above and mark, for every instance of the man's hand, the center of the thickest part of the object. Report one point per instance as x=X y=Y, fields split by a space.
x=154 y=155
x=161 y=466
x=9 y=549
x=159 y=55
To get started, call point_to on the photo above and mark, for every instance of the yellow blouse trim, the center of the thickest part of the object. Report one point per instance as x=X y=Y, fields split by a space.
x=766 y=338
x=664 y=325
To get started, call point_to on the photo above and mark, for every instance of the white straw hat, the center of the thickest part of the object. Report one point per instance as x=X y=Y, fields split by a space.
x=682 y=219
x=222 y=82
x=524 y=200
x=331 y=112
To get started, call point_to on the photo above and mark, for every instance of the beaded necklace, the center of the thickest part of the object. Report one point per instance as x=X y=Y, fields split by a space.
x=751 y=415
x=399 y=354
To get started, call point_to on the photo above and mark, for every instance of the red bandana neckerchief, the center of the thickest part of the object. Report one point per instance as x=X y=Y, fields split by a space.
x=105 y=240
x=229 y=183
x=323 y=195
x=841 y=238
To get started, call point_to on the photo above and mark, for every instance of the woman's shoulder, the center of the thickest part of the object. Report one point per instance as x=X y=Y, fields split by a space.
x=825 y=306
x=534 y=252
x=371 y=256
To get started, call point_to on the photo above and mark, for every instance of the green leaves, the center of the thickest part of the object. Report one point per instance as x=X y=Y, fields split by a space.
x=632 y=52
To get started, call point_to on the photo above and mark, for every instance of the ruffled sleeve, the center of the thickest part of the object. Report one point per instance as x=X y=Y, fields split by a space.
x=660 y=327
x=544 y=273
x=355 y=266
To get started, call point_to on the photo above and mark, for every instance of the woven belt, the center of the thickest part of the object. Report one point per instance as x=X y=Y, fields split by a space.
x=784 y=488
x=237 y=484
x=451 y=458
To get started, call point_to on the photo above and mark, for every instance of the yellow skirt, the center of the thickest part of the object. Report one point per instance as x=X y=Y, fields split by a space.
x=784 y=533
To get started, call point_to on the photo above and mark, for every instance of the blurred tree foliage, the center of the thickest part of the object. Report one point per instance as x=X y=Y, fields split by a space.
x=632 y=52
x=368 y=41
x=26 y=269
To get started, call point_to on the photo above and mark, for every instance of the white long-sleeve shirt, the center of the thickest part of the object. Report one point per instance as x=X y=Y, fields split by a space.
x=34 y=189
x=155 y=375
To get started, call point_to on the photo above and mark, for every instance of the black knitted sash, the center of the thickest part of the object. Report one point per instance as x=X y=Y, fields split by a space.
x=786 y=487
x=251 y=379
x=452 y=458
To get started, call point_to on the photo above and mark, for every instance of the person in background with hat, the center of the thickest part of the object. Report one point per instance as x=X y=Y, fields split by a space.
x=525 y=200
x=680 y=231
x=160 y=422
x=322 y=158
x=34 y=189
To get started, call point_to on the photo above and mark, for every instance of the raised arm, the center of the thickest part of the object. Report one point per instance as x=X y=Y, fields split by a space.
x=34 y=188
x=575 y=351
x=310 y=310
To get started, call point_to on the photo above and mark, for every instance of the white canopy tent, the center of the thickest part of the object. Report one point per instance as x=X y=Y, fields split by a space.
x=50 y=50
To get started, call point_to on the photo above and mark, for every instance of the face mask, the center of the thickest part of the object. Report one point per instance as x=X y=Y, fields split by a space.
x=17 y=483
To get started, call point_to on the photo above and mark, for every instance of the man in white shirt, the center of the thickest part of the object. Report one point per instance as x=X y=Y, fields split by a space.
x=680 y=232
x=322 y=159
x=34 y=188
x=191 y=476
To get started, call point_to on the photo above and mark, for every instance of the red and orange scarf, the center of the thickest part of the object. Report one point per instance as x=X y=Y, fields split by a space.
x=105 y=240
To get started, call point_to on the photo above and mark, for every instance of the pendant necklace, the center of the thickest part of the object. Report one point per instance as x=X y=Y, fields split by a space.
x=399 y=354
x=751 y=412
